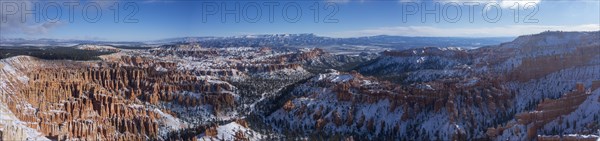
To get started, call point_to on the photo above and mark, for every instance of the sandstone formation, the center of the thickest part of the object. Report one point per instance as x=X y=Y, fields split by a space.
x=99 y=100
x=546 y=111
x=536 y=67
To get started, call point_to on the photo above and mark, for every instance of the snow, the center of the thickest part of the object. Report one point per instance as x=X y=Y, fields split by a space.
x=7 y=118
x=315 y=97
x=202 y=114
x=452 y=48
x=96 y=47
x=23 y=79
x=424 y=66
x=282 y=74
x=342 y=78
x=583 y=115
x=577 y=136
x=583 y=136
x=419 y=68
x=169 y=123
x=9 y=69
x=420 y=60
x=160 y=69
x=430 y=75
x=553 y=85
x=425 y=87
x=470 y=82
x=227 y=132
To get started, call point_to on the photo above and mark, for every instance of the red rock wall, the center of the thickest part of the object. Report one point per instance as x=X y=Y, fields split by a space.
x=546 y=111
x=98 y=103
x=533 y=68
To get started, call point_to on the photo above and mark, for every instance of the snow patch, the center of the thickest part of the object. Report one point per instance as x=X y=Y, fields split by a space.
x=227 y=132
x=8 y=119
x=170 y=123
x=341 y=78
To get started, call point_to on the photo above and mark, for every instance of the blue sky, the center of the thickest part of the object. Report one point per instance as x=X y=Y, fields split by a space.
x=156 y=19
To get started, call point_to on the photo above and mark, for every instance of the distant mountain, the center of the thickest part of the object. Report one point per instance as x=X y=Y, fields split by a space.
x=287 y=40
x=311 y=40
x=59 y=42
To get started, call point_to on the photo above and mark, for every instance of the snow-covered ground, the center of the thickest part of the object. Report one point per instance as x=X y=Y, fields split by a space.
x=227 y=132
x=18 y=129
x=10 y=78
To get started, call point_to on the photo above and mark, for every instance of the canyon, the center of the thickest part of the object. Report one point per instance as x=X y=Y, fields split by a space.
x=537 y=87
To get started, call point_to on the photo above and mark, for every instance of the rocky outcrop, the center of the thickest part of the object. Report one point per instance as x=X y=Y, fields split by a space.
x=179 y=92
x=309 y=54
x=545 y=112
x=267 y=67
x=105 y=100
x=211 y=131
x=185 y=50
x=12 y=133
x=84 y=104
x=288 y=106
x=536 y=67
x=350 y=102
x=430 y=51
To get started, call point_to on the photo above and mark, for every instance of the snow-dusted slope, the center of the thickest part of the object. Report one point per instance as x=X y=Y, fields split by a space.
x=14 y=129
x=101 y=48
x=340 y=103
x=420 y=65
x=11 y=79
x=488 y=86
x=187 y=91
x=232 y=131
x=584 y=120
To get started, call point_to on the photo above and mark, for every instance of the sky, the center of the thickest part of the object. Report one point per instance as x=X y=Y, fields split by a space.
x=145 y=20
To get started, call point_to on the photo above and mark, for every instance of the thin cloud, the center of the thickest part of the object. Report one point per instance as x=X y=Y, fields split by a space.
x=504 y=31
x=521 y=3
x=43 y=28
x=14 y=25
x=502 y=3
